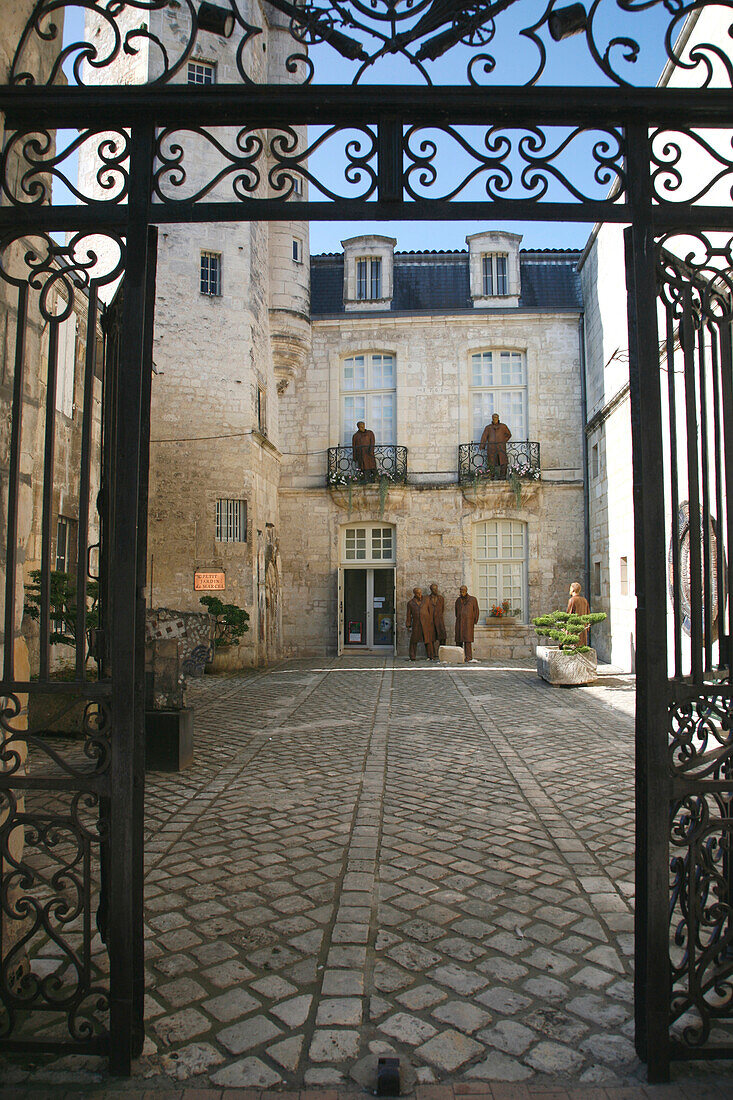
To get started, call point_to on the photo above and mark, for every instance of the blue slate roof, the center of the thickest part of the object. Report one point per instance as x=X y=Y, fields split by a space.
x=440 y=282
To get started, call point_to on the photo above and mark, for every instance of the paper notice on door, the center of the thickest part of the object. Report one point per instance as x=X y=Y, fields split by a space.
x=379 y=601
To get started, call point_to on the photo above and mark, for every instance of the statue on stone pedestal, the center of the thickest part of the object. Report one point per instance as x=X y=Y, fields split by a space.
x=578 y=605
x=467 y=614
x=438 y=605
x=493 y=442
x=362 y=449
x=420 y=622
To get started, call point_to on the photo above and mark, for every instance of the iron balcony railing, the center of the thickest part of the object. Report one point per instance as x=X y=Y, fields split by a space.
x=391 y=463
x=523 y=460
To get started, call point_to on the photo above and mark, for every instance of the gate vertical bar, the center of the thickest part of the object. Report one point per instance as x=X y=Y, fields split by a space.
x=652 y=970
x=125 y=655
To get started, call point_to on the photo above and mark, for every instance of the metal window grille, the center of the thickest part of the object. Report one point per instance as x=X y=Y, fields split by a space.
x=502 y=275
x=368 y=278
x=231 y=521
x=361 y=278
x=495 y=274
x=211 y=273
x=201 y=72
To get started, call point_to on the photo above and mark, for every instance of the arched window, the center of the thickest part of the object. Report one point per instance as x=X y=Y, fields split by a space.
x=368 y=394
x=499 y=385
x=500 y=564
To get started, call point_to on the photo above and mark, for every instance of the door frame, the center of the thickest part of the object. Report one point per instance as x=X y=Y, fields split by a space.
x=369 y=569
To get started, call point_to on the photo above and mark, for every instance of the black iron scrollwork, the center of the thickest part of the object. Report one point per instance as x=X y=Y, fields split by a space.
x=45 y=901
x=31 y=161
x=701 y=736
x=390 y=463
x=489 y=36
x=523 y=460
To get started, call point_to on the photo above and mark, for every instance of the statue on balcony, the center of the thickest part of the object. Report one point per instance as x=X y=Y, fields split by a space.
x=578 y=605
x=438 y=604
x=493 y=442
x=362 y=449
x=467 y=614
x=420 y=621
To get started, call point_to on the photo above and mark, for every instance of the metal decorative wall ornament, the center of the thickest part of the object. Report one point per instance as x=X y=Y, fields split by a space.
x=498 y=147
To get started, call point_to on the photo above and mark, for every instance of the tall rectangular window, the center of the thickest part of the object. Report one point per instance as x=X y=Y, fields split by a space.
x=595 y=460
x=297 y=250
x=231 y=521
x=201 y=72
x=624 y=571
x=368 y=394
x=596 y=578
x=495 y=274
x=500 y=563
x=211 y=274
x=499 y=385
x=262 y=410
x=368 y=278
x=62 y=544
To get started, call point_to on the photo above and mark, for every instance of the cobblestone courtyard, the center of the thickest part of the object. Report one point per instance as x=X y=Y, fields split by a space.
x=370 y=856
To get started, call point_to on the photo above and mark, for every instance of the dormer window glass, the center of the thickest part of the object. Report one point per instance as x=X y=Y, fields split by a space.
x=368 y=278
x=495 y=272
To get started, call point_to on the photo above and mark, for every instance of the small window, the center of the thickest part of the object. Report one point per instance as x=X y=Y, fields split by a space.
x=201 y=72
x=595 y=461
x=231 y=521
x=211 y=274
x=368 y=278
x=369 y=544
x=624 y=576
x=262 y=410
x=297 y=250
x=297 y=185
x=495 y=274
x=62 y=545
x=596 y=578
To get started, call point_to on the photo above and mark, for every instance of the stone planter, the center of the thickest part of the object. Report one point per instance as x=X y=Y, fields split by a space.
x=566 y=669
x=503 y=620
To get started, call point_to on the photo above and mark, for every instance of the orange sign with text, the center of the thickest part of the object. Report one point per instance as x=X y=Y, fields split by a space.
x=209 y=582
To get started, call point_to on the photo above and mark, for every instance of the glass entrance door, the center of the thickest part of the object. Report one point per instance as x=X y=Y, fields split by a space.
x=368 y=616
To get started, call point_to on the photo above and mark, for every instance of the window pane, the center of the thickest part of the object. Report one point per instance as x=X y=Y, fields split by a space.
x=376 y=281
x=484 y=404
x=354 y=411
x=354 y=373
x=361 y=278
x=511 y=409
x=382 y=372
x=381 y=417
x=502 y=280
x=482 y=373
x=512 y=368
x=488 y=276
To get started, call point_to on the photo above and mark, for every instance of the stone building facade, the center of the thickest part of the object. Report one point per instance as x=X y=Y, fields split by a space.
x=423 y=352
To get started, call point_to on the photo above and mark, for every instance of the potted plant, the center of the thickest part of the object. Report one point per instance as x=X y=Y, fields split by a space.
x=230 y=623
x=502 y=612
x=570 y=661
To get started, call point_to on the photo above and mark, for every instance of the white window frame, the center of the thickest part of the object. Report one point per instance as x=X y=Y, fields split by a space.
x=368 y=546
x=495 y=274
x=501 y=392
x=297 y=250
x=201 y=69
x=210 y=287
x=363 y=400
x=510 y=581
x=231 y=520
x=368 y=283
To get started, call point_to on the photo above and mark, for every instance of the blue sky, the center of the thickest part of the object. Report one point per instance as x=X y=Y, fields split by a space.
x=568 y=61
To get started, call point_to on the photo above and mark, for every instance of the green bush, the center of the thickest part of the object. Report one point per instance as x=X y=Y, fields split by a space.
x=230 y=621
x=565 y=628
x=63 y=605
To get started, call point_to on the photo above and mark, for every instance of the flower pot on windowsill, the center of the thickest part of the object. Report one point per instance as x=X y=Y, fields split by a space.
x=499 y=620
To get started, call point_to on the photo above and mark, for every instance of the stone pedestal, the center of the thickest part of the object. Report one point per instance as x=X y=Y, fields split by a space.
x=566 y=669
x=452 y=654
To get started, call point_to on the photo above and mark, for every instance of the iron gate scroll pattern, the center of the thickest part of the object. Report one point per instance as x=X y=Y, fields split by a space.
x=53 y=962
x=496 y=148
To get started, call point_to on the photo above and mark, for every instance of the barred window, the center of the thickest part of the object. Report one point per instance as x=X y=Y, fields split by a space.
x=211 y=274
x=495 y=271
x=500 y=563
x=368 y=278
x=201 y=72
x=231 y=521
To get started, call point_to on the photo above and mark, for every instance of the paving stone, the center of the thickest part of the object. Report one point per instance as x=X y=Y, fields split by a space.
x=248 y=1073
x=294 y=1012
x=407 y=1029
x=499 y=1067
x=413 y=956
x=334 y=1045
x=343 y=983
x=180 y=1026
x=274 y=987
x=227 y=973
x=346 y=1011
x=552 y=1058
x=190 y=1061
x=462 y=1016
x=449 y=1050
x=421 y=996
x=181 y=992
x=509 y=1036
x=287 y=1052
x=230 y=1006
x=612 y=1049
x=248 y=1033
x=503 y=1000
x=458 y=979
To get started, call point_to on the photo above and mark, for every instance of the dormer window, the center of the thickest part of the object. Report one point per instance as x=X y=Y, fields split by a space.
x=368 y=278
x=495 y=274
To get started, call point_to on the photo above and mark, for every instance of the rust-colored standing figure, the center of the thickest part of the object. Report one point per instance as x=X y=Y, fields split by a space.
x=438 y=604
x=362 y=448
x=578 y=605
x=420 y=622
x=466 y=618
x=493 y=441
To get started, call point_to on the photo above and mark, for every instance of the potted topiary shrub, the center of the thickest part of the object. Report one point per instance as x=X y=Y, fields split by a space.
x=230 y=623
x=570 y=662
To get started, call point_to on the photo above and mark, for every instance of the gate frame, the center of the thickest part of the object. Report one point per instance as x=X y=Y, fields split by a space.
x=387 y=109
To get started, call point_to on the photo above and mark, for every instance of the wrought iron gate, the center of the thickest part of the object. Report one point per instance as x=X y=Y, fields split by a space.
x=75 y=817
